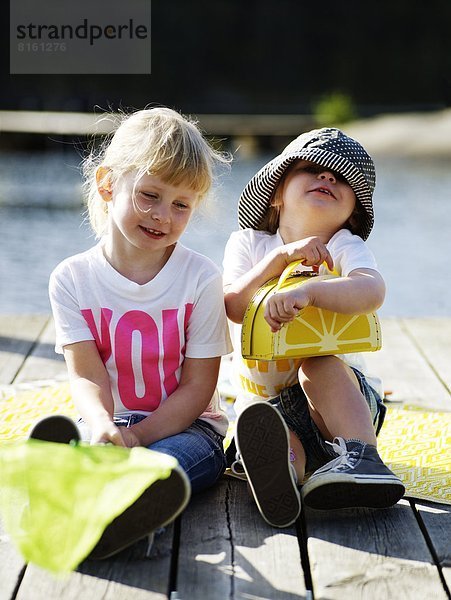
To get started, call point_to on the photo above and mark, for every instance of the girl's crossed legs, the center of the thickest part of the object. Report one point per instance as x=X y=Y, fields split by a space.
x=198 y=449
x=331 y=400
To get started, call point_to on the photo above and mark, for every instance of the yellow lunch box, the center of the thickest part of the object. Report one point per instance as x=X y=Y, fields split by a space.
x=313 y=332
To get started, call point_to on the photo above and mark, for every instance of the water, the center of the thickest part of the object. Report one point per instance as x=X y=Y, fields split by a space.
x=411 y=238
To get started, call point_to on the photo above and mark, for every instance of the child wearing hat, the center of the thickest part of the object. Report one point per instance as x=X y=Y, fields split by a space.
x=316 y=416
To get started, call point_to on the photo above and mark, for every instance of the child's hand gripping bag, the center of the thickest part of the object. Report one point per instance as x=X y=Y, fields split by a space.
x=313 y=332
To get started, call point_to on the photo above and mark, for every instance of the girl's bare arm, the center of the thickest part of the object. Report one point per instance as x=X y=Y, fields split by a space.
x=237 y=295
x=190 y=399
x=362 y=291
x=91 y=392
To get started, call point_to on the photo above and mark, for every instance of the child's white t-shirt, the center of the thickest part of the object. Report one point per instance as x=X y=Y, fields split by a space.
x=143 y=332
x=262 y=380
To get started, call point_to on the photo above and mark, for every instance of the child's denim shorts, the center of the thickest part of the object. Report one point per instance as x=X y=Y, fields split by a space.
x=293 y=406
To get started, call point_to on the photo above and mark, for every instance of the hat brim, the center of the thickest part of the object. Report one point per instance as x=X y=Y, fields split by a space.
x=256 y=197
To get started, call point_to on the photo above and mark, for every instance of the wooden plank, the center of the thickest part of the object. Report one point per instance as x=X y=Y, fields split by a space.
x=404 y=371
x=129 y=575
x=437 y=521
x=362 y=553
x=205 y=554
x=433 y=338
x=18 y=334
x=267 y=561
x=228 y=551
x=11 y=566
x=43 y=363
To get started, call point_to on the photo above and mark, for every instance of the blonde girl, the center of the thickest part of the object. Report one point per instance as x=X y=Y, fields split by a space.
x=140 y=319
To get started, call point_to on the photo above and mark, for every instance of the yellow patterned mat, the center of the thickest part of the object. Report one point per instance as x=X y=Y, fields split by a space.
x=416 y=444
x=20 y=407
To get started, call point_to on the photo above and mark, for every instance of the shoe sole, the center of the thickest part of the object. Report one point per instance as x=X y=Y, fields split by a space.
x=262 y=441
x=55 y=428
x=158 y=505
x=350 y=492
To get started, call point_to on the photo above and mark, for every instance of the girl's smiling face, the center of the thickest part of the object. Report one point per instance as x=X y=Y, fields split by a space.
x=148 y=214
x=316 y=198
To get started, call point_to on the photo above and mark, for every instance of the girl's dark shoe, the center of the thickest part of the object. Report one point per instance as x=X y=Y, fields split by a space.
x=356 y=478
x=263 y=446
x=157 y=506
x=56 y=428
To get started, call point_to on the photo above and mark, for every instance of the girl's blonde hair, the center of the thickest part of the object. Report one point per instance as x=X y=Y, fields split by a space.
x=157 y=141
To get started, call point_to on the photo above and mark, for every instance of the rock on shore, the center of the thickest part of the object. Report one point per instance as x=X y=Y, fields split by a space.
x=409 y=134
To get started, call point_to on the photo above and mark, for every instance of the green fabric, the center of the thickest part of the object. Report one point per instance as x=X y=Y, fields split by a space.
x=56 y=499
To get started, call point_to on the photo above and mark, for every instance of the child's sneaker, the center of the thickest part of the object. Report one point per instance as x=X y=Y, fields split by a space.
x=157 y=506
x=356 y=478
x=263 y=444
x=56 y=428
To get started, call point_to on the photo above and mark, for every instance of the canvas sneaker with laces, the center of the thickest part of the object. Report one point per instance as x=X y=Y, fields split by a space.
x=356 y=478
x=263 y=450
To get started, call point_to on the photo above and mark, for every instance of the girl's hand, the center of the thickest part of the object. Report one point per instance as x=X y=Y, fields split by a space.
x=106 y=432
x=283 y=307
x=311 y=251
x=130 y=438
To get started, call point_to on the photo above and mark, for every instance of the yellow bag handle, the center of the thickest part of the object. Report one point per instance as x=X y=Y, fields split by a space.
x=292 y=267
x=287 y=272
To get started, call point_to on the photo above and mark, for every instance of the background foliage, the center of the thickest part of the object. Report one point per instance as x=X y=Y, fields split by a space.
x=263 y=56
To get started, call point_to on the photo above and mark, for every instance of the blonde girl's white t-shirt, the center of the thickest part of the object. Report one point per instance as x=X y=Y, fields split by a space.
x=262 y=380
x=143 y=332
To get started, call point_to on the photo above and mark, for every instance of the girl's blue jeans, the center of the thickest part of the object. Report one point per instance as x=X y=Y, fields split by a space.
x=199 y=449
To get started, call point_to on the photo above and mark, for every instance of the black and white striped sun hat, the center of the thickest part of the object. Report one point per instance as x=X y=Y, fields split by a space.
x=327 y=147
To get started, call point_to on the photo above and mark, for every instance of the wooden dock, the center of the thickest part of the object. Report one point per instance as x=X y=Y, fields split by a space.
x=73 y=123
x=221 y=549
